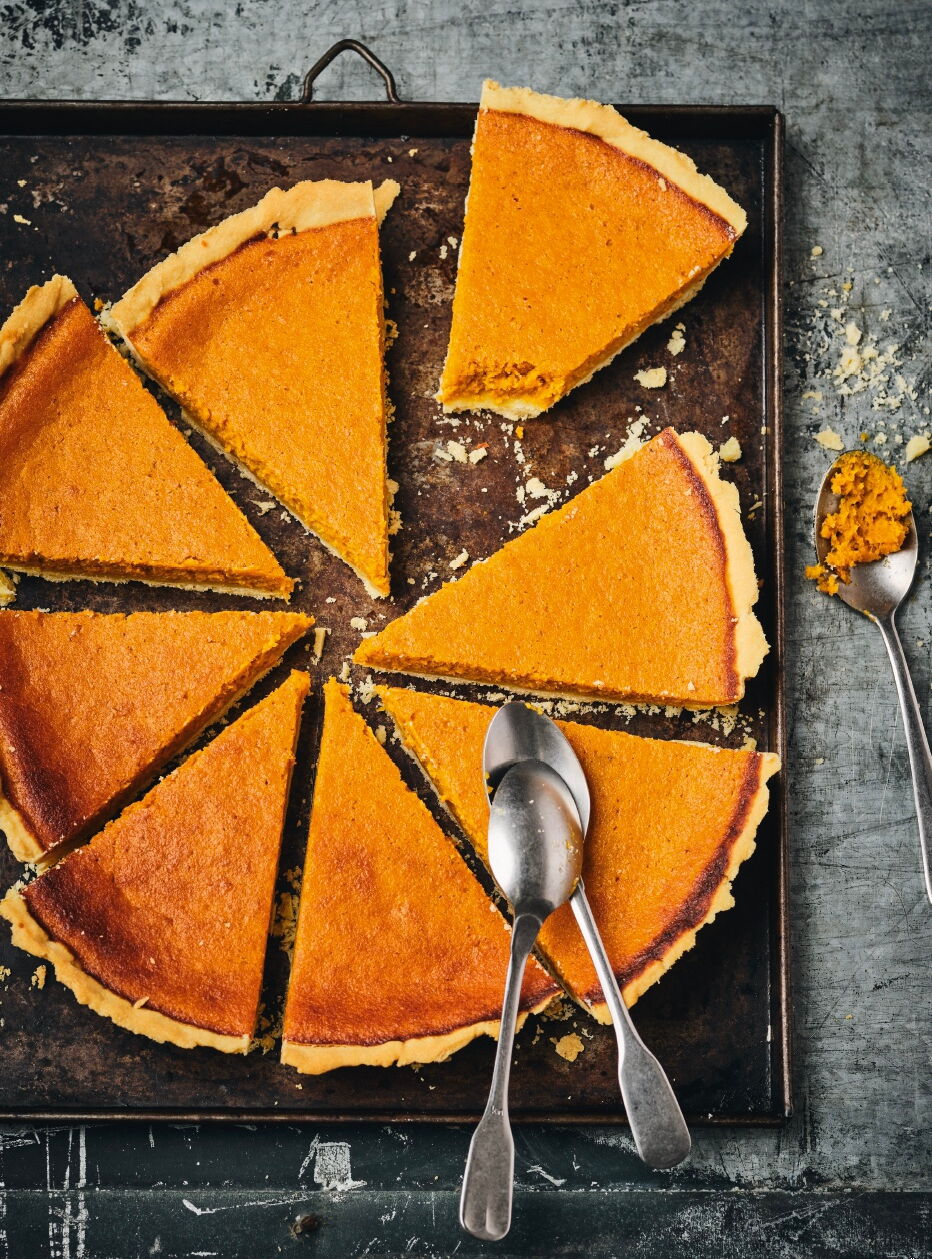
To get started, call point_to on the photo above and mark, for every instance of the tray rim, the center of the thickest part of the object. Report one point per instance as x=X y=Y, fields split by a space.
x=765 y=123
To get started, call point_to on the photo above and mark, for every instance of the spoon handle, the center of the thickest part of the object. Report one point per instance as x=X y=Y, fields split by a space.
x=920 y=759
x=485 y=1203
x=657 y=1124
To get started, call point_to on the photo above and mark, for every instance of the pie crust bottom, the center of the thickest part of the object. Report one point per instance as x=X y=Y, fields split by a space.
x=30 y=936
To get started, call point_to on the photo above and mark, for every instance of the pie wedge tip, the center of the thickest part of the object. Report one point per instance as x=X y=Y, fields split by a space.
x=95 y=482
x=580 y=232
x=286 y=373
x=429 y=980
x=639 y=589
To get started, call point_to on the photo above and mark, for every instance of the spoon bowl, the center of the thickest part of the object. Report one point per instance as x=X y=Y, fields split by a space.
x=878 y=588
x=535 y=839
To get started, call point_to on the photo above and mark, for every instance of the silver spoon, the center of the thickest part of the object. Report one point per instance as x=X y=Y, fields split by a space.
x=877 y=589
x=518 y=733
x=535 y=851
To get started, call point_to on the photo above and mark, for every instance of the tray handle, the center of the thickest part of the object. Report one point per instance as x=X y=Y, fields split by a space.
x=353 y=45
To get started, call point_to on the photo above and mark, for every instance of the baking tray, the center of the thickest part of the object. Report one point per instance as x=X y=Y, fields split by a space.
x=105 y=190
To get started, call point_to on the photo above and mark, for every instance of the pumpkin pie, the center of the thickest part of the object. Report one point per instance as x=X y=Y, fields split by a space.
x=671 y=823
x=92 y=706
x=580 y=232
x=399 y=957
x=640 y=588
x=160 y=923
x=94 y=480
x=269 y=329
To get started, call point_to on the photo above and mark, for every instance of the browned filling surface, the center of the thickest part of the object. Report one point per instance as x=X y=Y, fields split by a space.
x=79 y=732
x=570 y=248
x=95 y=480
x=665 y=819
x=396 y=940
x=622 y=593
x=276 y=351
x=170 y=904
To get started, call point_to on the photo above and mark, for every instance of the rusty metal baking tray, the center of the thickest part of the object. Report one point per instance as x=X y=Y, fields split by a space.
x=101 y=191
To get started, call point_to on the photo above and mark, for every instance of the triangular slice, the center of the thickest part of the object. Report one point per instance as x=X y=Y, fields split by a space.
x=94 y=480
x=640 y=588
x=160 y=923
x=400 y=957
x=580 y=232
x=269 y=329
x=671 y=823
x=92 y=706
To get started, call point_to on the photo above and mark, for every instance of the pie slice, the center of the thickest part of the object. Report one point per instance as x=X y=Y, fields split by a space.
x=92 y=706
x=640 y=588
x=269 y=329
x=580 y=232
x=671 y=823
x=161 y=921
x=94 y=480
x=400 y=957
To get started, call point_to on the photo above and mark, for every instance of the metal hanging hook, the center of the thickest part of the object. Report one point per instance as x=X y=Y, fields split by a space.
x=353 y=45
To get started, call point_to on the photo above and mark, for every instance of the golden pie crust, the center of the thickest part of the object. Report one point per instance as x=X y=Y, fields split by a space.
x=580 y=231
x=640 y=588
x=672 y=821
x=293 y=287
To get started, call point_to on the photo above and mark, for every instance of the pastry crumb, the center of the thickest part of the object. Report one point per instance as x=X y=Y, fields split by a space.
x=345 y=671
x=460 y=560
x=652 y=377
x=677 y=343
x=38 y=977
x=18 y=218
x=412 y=255
x=828 y=439
x=569 y=1046
x=458 y=451
x=320 y=639
x=916 y=446
x=730 y=451
x=358 y=623
x=263 y=505
x=816 y=251
x=536 y=488
x=477 y=455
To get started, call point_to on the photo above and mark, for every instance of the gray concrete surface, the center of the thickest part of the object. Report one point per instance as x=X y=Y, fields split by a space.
x=853 y=80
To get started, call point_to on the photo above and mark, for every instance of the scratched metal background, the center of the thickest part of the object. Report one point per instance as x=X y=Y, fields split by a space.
x=849 y=1175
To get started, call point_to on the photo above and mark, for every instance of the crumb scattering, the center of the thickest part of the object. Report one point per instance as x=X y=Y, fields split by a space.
x=829 y=439
x=569 y=1046
x=916 y=446
x=652 y=377
x=677 y=343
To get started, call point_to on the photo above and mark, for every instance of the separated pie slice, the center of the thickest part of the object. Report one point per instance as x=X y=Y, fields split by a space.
x=92 y=706
x=671 y=824
x=94 y=480
x=161 y=921
x=400 y=956
x=580 y=232
x=269 y=329
x=640 y=588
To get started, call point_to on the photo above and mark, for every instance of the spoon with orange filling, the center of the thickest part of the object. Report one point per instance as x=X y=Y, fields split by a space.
x=867 y=549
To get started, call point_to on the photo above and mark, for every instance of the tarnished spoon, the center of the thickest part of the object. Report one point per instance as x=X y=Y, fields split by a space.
x=535 y=851
x=877 y=589
x=516 y=734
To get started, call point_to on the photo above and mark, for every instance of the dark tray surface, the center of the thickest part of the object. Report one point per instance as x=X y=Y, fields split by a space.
x=103 y=208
